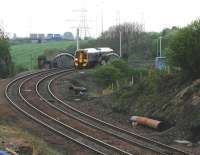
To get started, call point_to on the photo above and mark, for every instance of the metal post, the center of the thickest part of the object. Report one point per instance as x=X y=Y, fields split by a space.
x=120 y=44
x=160 y=46
x=31 y=61
x=77 y=39
x=157 y=47
x=96 y=21
x=102 y=18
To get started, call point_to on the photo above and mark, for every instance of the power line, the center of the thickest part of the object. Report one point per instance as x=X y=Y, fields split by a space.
x=83 y=23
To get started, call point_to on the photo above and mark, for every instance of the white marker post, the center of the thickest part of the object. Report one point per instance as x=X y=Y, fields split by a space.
x=160 y=46
x=102 y=17
x=120 y=44
x=77 y=39
x=157 y=52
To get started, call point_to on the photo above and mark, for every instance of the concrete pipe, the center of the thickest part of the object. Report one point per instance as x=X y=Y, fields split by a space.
x=147 y=122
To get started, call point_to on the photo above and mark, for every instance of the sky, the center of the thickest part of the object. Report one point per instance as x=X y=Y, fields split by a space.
x=58 y=16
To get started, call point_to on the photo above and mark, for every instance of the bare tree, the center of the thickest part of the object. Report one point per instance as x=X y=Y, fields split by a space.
x=131 y=36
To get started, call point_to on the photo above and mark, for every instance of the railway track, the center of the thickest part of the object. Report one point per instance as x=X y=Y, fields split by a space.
x=120 y=133
x=59 y=117
x=25 y=101
x=12 y=93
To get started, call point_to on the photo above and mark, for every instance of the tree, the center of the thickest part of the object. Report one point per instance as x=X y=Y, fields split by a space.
x=185 y=50
x=68 y=36
x=5 y=57
x=132 y=33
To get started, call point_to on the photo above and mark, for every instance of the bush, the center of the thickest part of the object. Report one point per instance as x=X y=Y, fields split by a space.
x=146 y=82
x=41 y=61
x=124 y=68
x=124 y=98
x=20 y=68
x=110 y=73
x=184 y=50
x=121 y=71
x=5 y=58
x=50 y=53
x=106 y=75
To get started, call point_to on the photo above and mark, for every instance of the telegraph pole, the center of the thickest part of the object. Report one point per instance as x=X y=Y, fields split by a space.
x=77 y=39
x=157 y=48
x=120 y=44
x=160 y=46
x=102 y=18
x=120 y=34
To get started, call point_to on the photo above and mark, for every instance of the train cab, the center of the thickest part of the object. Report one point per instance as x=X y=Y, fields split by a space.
x=80 y=58
x=89 y=57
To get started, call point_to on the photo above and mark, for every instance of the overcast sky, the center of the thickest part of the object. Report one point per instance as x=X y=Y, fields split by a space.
x=57 y=16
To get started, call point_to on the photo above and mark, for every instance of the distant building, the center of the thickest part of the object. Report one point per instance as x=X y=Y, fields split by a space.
x=68 y=36
x=33 y=36
x=14 y=36
x=41 y=36
x=49 y=36
x=57 y=37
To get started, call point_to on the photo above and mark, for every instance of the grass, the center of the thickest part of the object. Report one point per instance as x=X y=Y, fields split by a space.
x=25 y=55
x=11 y=136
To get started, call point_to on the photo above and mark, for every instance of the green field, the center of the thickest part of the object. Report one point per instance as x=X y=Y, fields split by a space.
x=25 y=55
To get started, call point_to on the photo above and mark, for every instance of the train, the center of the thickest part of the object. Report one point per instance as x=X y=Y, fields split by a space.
x=82 y=58
x=90 y=57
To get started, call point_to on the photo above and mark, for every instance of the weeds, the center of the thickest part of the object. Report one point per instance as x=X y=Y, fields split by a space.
x=128 y=83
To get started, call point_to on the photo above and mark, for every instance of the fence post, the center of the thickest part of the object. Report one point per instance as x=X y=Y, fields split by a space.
x=140 y=76
x=132 y=80
x=168 y=70
x=117 y=83
x=112 y=86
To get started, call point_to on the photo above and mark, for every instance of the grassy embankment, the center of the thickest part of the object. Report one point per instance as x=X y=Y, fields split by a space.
x=14 y=140
x=25 y=55
x=155 y=94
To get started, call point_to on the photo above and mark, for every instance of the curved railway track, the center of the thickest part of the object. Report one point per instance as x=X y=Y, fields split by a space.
x=12 y=93
x=42 y=106
x=128 y=136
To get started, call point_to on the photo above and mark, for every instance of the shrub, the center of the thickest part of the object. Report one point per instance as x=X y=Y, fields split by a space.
x=19 y=68
x=5 y=58
x=184 y=50
x=41 y=61
x=153 y=79
x=110 y=73
x=124 y=98
x=145 y=82
x=106 y=75
x=121 y=71
x=124 y=68
x=50 y=53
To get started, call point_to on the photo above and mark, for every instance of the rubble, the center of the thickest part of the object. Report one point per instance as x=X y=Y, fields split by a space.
x=78 y=90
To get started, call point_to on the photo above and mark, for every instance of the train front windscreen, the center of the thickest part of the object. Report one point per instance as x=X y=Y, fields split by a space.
x=81 y=59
